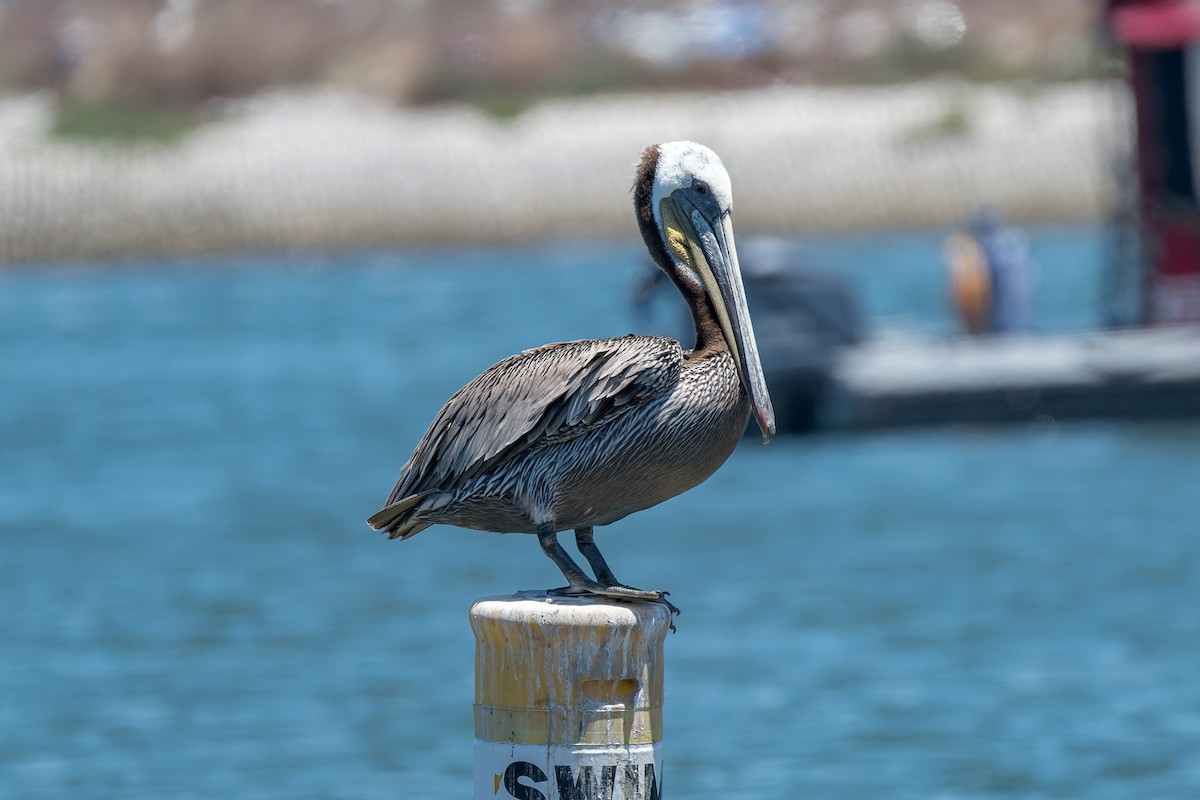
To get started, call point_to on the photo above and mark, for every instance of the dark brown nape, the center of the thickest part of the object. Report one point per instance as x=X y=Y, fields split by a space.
x=708 y=330
x=643 y=206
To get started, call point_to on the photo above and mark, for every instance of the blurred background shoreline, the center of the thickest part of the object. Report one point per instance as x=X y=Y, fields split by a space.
x=330 y=169
x=146 y=128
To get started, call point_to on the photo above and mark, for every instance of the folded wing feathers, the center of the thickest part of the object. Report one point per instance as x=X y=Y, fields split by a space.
x=544 y=395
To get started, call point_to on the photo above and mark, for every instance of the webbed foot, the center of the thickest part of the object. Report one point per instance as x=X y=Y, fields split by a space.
x=616 y=592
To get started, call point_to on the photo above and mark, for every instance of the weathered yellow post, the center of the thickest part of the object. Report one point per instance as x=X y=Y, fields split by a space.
x=568 y=698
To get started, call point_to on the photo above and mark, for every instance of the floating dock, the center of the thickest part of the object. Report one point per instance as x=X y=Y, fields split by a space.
x=1148 y=373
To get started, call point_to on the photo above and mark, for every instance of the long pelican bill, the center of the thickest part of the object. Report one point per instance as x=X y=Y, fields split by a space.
x=705 y=241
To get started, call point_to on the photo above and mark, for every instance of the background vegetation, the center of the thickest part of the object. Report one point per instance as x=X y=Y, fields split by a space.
x=147 y=68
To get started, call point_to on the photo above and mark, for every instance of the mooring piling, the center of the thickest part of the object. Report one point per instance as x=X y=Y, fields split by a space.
x=568 y=698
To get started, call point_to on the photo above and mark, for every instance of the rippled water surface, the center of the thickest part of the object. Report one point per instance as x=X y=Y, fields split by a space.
x=191 y=606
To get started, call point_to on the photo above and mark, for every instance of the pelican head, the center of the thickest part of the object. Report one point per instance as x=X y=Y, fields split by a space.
x=684 y=203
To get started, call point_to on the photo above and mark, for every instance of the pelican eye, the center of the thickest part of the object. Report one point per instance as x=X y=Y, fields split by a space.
x=701 y=187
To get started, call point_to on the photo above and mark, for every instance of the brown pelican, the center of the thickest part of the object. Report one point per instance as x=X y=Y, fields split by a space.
x=578 y=434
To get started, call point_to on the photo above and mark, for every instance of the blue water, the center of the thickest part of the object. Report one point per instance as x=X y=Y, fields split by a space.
x=192 y=607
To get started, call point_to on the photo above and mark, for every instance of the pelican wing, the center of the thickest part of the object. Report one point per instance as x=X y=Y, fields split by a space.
x=545 y=395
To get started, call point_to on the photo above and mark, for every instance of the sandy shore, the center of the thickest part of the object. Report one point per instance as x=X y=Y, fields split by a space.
x=326 y=170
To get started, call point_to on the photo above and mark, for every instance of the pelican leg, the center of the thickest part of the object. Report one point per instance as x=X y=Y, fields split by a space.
x=586 y=542
x=580 y=583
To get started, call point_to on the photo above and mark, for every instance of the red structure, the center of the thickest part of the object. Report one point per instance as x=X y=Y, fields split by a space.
x=1162 y=38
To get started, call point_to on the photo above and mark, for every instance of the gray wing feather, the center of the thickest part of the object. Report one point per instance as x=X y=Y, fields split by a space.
x=544 y=395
